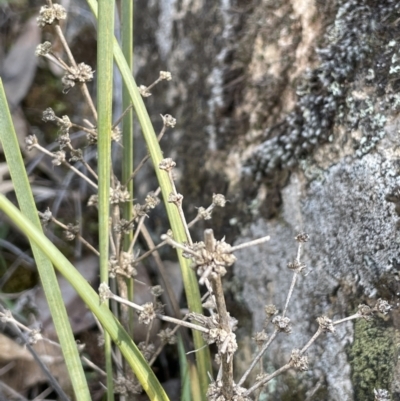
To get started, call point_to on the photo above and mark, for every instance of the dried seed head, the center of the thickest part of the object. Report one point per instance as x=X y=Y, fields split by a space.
x=207 y=262
x=282 y=324
x=144 y=91
x=365 y=311
x=381 y=395
x=64 y=140
x=64 y=122
x=296 y=266
x=226 y=342
x=34 y=336
x=116 y=134
x=58 y=158
x=46 y=217
x=239 y=394
x=91 y=137
x=43 y=49
x=124 y=386
x=209 y=322
x=382 y=306
x=165 y=75
x=159 y=308
x=119 y=194
x=139 y=210
x=209 y=304
x=219 y=200
x=303 y=237
x=175 y=198
x=127 y=265
x=167 y=164
x=71 y=231
x=49 y=115
x=168 y=120
x=270 y=310
x=260 y=338
x=325 y=324
x=203 y=214
x=123 y=267
x=76 y=155
x=81 y=73
x=113 y=267
x=215 y=393
x=147 y=350
x=104 y=292
x=93 y=200
x=49 y=14
x=157 y=291
x=6 y=316
x=31 y=141
x=167 y=337
x=147 y=314
x=151 y=201
x=298 y=361
x=124 y=226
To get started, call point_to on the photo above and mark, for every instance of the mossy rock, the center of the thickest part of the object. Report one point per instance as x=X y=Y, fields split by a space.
x=372 y=358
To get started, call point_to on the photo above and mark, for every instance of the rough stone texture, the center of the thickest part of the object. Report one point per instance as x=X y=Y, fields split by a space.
x=291 y=109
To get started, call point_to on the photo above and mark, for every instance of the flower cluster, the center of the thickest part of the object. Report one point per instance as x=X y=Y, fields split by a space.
x=49 y=14
x=81 y=73
x=215 y=261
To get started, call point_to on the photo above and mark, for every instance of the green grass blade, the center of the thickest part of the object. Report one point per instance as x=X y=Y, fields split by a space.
x=189 y=279
x=127 y=122
x=105 y=36
x=118 y=334
x=127 y=132
x=47 y=275
x=184 y=371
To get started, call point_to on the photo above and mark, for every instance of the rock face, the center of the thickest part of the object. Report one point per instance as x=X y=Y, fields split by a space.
x=291 y=109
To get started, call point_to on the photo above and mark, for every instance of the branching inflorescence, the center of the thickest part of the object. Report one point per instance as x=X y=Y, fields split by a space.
x=211 y=258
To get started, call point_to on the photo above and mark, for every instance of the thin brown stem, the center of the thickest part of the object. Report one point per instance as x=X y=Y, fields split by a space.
x=198 y=217
x=346 y=319
x=250 y=243
x=292 y=284
x=66 y=164
x=160 y=348
x=312 y=339
x=78 y=236
x=258 y=357
x=153 y=84
x=160 y=316
x=71 y=59
x=150 y=251
x=122 y=116
x=140 y=224
x=175 y=244
x=224 y=321
x=147 y=157
x=56 y=60
x=266 y=379
x=172 y=303
x=180 y=210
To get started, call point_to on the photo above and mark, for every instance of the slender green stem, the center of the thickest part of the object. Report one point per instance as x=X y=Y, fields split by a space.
x=118 y=334
x=127 y=130
x=48 y=278
x=189 y=278
x=105 y=37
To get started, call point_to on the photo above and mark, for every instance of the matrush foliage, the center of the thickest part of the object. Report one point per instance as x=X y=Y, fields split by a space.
x=204 y=263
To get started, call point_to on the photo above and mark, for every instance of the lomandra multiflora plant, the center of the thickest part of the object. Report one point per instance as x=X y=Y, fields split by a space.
x=210 y=259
